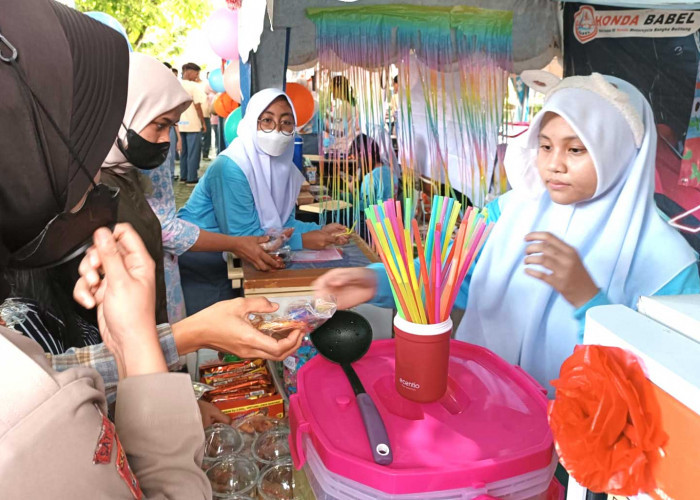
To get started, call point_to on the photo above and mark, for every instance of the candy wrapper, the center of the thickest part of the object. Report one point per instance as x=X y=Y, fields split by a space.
x=606 y=421
x=13 y=313
x=284 y=253
x=292 y=364
x=200 y=389
x=277 y=240
x=305 y=315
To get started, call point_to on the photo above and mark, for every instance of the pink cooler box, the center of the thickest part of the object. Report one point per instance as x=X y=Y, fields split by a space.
x=487 y=436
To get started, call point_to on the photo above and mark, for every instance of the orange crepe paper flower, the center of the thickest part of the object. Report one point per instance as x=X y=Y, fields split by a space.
x=606 y=421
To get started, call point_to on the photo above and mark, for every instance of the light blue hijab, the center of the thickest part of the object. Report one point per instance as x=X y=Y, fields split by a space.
x=626 y=247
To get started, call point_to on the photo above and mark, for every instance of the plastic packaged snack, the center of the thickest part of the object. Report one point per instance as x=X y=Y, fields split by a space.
x=284 y=253
x=220 y=441
x=13 y=313
x=251 y=426
x=200 y=389
x=277 y=481
x=277 y=240
x=271 y=446
x=305 y=315
x=292 y=364
x=232 y=477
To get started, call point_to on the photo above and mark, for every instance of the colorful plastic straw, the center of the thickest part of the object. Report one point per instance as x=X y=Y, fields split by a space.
x=425 y=289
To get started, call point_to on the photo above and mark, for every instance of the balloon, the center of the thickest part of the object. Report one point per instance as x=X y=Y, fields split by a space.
x=224 y=105
x=232 y=82
x=231 y=126
x=303 y=102
x=222 y=31
x=108 y=20
x=216 y=80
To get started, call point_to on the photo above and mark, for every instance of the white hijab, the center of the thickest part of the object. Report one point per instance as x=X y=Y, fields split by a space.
x=624 y=244
x=153 y=90
x=274 y=180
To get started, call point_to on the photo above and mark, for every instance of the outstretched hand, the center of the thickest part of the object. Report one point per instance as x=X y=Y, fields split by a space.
x=350 y=287
x=225 y=327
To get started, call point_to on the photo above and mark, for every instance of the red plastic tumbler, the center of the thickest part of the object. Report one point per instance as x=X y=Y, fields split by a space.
x=422 y=358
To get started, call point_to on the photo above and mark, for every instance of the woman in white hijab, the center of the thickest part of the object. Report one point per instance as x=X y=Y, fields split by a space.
x=156 y=100
x=579 y=229
x=250 y=190
x=253 y=186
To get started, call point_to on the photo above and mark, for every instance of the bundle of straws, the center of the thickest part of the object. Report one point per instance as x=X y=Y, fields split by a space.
x=425 y=293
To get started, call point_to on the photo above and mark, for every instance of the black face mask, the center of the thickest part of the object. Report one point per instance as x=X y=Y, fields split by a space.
x=69 y=234
x=141 y=153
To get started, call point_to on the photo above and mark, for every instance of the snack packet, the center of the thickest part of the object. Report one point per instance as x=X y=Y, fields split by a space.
x=305 y=315
x=292 y=364
x=277 y=240
x=200 y=389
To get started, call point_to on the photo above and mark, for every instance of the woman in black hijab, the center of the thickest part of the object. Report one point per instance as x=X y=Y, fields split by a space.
x=53 y=143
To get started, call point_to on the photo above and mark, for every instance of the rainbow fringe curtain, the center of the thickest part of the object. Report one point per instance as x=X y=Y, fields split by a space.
x=453 y=68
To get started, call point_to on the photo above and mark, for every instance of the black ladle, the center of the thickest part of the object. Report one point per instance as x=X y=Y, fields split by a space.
x=344 y=339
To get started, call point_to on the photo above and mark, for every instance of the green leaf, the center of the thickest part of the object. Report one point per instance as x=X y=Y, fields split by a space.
x=158 y=28
x=688 y=154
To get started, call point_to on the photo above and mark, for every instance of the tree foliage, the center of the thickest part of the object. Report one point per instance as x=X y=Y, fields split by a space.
x=154 y=27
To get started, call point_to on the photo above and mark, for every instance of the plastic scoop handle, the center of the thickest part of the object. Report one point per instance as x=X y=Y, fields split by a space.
x=374 y=425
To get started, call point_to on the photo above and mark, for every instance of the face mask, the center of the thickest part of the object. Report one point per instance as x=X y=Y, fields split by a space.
x=141 y=153
x=274 y=143
x=69 y=234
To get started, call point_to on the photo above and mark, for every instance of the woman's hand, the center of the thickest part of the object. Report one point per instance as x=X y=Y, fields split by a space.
x=568 y=275
x=339 y=232
x=118 y=276
x=350 y=287
x=224 y=326
x=211 y=414
x=248 y=248
x=317 y=240
x=334 y=228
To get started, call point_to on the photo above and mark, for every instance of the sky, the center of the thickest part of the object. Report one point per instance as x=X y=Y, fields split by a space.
x=197 y=48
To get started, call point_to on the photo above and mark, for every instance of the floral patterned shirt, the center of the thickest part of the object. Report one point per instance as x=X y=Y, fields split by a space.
x=178 y=235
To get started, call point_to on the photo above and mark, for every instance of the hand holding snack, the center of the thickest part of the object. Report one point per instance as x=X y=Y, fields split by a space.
x=224 y=326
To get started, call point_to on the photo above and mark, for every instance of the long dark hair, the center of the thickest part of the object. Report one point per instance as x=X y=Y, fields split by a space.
x=341 y=89
x=52 y=290
x=364 y=149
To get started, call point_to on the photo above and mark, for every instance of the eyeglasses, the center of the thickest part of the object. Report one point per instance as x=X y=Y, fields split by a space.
x=286 y=126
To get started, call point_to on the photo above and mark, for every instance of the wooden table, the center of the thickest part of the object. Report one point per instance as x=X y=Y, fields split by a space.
x=290 y=282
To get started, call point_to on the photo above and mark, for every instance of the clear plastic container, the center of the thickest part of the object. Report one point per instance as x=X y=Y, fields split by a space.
x=277 y=481
x=327 y=485
x=251 y=426
x=233 y=477
x=220 y=441
x=271 y=446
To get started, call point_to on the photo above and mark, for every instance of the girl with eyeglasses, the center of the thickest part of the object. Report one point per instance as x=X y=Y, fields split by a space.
x=249 y=190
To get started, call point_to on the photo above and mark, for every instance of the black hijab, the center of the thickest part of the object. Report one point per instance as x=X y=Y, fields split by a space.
x=70 y=70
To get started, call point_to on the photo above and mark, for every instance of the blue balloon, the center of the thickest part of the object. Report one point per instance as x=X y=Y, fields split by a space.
x=108 y=20
x=231 y=125
x=216 y=80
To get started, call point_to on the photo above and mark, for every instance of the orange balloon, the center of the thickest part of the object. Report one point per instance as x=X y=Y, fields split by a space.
x=303 y=102
x=224 y=105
